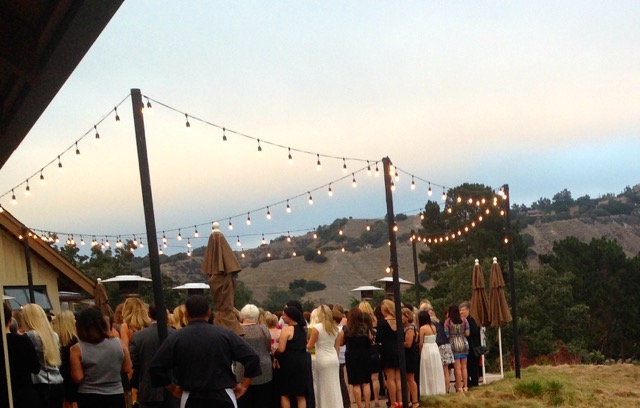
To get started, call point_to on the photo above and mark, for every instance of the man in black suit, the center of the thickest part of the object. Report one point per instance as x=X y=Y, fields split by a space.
x=473 y=360
x=143 y=347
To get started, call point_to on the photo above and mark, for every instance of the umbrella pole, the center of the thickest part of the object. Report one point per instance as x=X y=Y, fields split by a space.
x=500 y=347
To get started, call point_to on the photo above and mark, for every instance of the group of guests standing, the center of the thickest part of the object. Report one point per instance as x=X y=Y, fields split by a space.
x=91 y=360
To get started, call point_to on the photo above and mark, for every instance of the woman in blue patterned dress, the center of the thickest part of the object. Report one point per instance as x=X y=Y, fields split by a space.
x=457 y=329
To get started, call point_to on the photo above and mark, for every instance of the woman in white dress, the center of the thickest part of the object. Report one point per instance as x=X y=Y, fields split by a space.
x=431 y=375
x=326 y=376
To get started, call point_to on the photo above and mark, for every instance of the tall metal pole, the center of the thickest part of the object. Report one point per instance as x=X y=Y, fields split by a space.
x=27 y=260
x=149 y=217
x=386 y=162
x=415 y=266
x=512 y=283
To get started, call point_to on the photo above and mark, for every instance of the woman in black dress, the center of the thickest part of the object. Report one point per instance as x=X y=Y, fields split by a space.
x=412 y=356
x=357 y=336
x=292 y=359
x=387 y=337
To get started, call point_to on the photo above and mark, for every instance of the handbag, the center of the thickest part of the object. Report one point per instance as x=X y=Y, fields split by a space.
x=480 y=350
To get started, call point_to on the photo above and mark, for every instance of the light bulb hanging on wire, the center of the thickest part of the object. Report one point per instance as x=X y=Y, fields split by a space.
x=224 y=136
x=13 y=198
x=368 y=168
x=248 y=219
x=353 y=182
x=344 y=166
x=290 y=157
x=259 y=147
x=429 y=191
x=77 y=150
x=413 y=183
x=318 y=164
x=330 y=191
x=115 y=109
x=288 y=207
x=179 y=237
x=27 y=190
x=187 y=124
x=42 y=181
x=268 y=213
x=95 y=127
x=264 y=241
x=377 y=173
x=196 y=233
x=59 y=163
x=310 y=199
x=230 y=225
x=444 y=194
x=238 y=243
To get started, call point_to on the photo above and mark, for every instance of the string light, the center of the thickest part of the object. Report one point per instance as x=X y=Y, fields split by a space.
x=344 y=166
x=288 y=207
x=413 y=183
x=13 y=198
x=164 y=239
x=368 y=168
x=397 y=176
x=294 y=254
x=196 y=233
x=224 y=136
x=368 y=227
x=135 y=241
x=187 y=124
x=310 y=199
x=330 y=191
x=77 y=150
x=318 y=164
x=81 y=240
x=353 y=182
x=106 y=243
x=259 y=147
x=290 y=157
x=148 y=104
x=230 y=225
x=115 y=109
x=238 y=243
x=288 y=236
x=264 y=241
x=42 y=181
x=393 y=186
x=95 y=127
x=377 y=173
x=268 y=213
x=429 y=191
x=179 y=237
x=59 y=164
x=27 y=190
x=248 y=219
x=188 y=243
x=444 y=194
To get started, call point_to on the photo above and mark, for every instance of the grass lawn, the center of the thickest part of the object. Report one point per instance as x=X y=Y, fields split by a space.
x=542 y=386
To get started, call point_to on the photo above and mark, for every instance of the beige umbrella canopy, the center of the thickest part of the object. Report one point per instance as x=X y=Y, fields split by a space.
x=101 y=299
x=221 y=264
x=479 y=302
x=499 y=313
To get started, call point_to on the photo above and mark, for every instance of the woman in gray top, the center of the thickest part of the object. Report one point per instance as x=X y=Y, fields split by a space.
x=260 y=392
x=96 y=362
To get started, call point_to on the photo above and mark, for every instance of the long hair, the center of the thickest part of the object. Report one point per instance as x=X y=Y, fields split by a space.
x=179 y=318
x=65 y=326
x=325 y=316
x=135 y=314
x=35 y=319
x=388 y=307
x=454 y=314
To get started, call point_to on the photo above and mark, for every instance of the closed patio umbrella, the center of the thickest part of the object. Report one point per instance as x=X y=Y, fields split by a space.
x=221 y=265
x=101 y=299
x=499 y=313
x=479 y=302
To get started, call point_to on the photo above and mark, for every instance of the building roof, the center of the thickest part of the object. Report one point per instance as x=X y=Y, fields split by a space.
x=41 y=43
x=72 y=277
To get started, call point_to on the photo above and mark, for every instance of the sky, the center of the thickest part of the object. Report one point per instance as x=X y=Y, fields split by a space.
x=540 y=95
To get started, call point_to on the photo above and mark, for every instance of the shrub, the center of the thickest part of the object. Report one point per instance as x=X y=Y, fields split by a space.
x=319 y=258
x=530 y=389
x=314 y=285
x=593 y=357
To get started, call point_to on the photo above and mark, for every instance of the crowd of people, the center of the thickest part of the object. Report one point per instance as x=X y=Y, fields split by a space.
x=326 y=358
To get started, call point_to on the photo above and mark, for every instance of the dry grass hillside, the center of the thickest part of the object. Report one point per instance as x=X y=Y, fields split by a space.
x=344 y=271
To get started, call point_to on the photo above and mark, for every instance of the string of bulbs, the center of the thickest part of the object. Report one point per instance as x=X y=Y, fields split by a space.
x=114 y=111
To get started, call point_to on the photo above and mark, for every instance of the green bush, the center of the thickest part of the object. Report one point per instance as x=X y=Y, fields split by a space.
x=314 y=285
x=530 y=389
x=593 y=357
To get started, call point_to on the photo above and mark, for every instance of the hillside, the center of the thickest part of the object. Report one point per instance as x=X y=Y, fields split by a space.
x=343 y=271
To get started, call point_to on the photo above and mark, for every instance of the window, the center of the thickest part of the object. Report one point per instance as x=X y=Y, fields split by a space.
x=21 y=296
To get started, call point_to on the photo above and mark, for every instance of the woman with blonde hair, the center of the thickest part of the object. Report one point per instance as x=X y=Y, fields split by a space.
x=179 y=318
x=135 y=316
x=387 y=337
x=326 y=368
x=48 y=381
x=65 y=326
